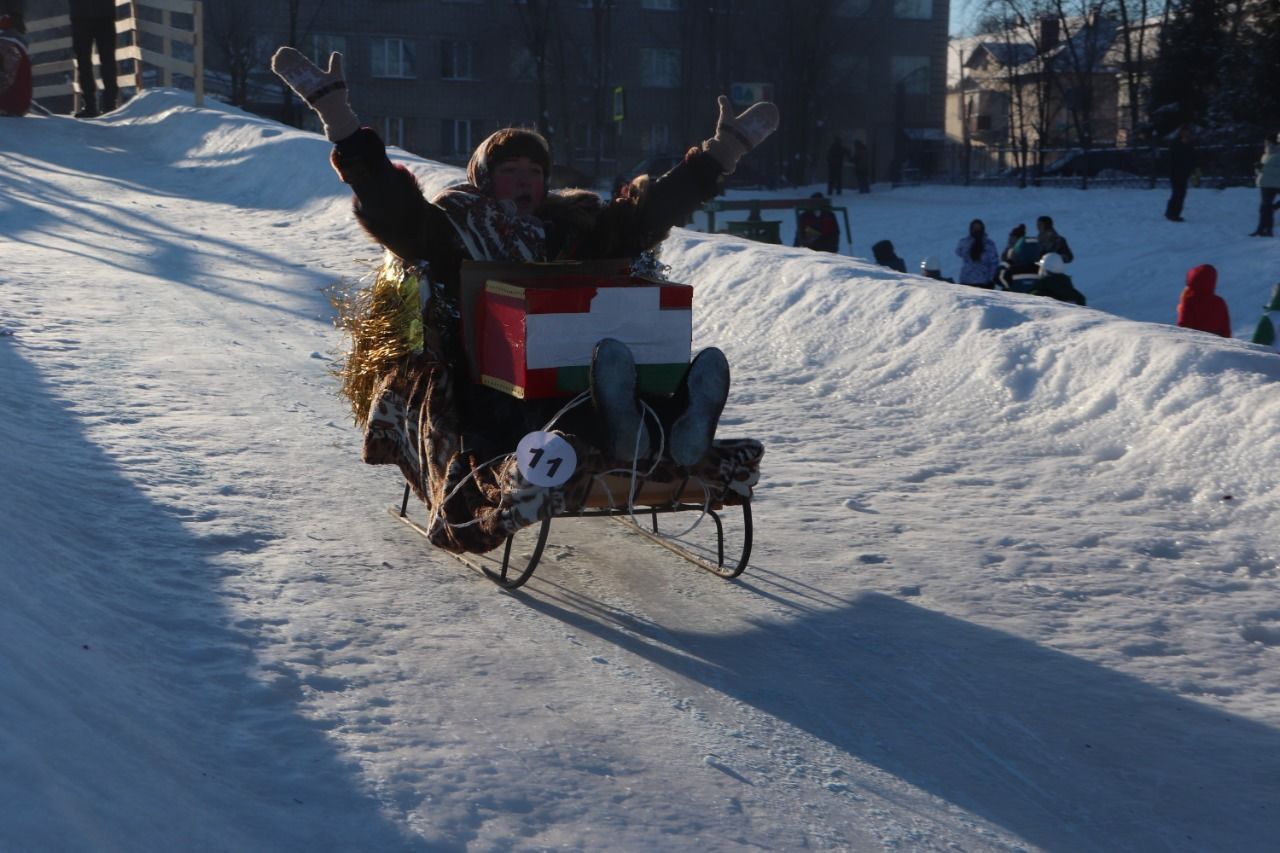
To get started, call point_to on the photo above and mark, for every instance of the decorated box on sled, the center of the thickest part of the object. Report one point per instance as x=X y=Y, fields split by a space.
x=534 y=336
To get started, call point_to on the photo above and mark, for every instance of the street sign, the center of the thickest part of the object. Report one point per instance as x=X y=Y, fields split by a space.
x=619 y=104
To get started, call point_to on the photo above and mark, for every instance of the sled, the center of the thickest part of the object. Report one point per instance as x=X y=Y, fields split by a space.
x=402 y=384
x=648 y=503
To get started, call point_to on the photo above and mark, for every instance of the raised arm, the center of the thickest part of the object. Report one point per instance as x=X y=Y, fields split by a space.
x=647 y=210
x=388 y=202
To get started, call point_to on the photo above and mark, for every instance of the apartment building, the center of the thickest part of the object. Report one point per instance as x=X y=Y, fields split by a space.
x=608 y=81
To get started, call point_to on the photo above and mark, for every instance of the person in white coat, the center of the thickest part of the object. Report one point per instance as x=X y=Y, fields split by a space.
x=1269 y=185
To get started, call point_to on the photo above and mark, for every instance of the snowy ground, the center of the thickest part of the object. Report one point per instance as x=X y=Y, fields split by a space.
x=1014 y=586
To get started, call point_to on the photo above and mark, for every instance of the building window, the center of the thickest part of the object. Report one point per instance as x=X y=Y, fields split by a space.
x=918 y=10
x=392 y=57
x=459 y=136
x=657 y=139
x=660 y=4
x=849 y=72
x=659 y=67
x=523 y=66
x=319 y=45
x=911 y=73
x=853 y=8
x=392 y=128
x=585 y=138
x=455 y=60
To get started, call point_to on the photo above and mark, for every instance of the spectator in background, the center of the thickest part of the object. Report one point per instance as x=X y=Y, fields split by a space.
x=886 y=257
x=817 y=228
x=1201 y=308
x=1182 y=162
x=1054 y=281
x=1018 y=270
x=837 y=154
x=93 y=24
x=15 y=68
x=1269 y=184
x=979 y=259
x=862 y=166
x=1051 y=241
x=930 y=267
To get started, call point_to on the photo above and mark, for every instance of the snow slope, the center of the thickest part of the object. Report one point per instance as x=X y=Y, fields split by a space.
x=1014 y=584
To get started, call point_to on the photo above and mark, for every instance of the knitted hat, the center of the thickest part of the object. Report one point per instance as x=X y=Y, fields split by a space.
x=503 y=145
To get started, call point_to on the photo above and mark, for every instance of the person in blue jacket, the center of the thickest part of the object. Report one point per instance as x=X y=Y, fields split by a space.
x=979 y=258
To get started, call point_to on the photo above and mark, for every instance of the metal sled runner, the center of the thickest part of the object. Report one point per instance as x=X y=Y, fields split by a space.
x=510 y=576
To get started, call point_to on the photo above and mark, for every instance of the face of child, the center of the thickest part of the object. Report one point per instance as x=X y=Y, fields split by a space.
x=522 y=181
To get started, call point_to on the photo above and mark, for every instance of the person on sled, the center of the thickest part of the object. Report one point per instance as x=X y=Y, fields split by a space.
x=505 y=212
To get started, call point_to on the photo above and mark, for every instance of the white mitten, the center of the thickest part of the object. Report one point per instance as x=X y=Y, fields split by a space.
x=323 y=91
x=736 y=135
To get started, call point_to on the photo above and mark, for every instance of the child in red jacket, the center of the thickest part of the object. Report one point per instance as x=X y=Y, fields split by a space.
x=1201 y=308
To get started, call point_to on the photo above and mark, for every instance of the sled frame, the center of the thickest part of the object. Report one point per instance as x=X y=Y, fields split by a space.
x=509 y=577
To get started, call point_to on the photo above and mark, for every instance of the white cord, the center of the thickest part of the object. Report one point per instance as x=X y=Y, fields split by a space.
x=633 y=471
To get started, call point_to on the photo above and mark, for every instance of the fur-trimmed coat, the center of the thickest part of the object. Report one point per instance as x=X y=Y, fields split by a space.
x=570 y=224
x=462 y=223
x=452 y=439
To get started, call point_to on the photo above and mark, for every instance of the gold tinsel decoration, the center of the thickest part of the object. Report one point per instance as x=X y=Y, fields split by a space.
x=383 y=322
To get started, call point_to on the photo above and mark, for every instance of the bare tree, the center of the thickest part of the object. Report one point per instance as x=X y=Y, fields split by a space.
x=537 y=18
x=602 y=45
x=297 y=33
x=1031 y=33
x=1086 y=38
x=1136 y=44
x=796 y=53
x=233 y=33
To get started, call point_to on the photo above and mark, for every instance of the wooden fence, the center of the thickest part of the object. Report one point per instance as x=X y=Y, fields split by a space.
x=50 y=48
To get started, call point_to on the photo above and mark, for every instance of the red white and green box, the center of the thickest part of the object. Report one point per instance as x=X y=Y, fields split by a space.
x=536 y=340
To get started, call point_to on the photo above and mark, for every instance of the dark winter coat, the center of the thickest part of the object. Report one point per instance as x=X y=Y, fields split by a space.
x=860 y=156
x=575 y=224
x=1182 y=161
x=92 y=9
x=1018 y=271
x=15 y=75
x=1052 y=241
x=569 y=225
x=1057 y=286
x=1200 y=307
x=886 y=257
x=837 y=154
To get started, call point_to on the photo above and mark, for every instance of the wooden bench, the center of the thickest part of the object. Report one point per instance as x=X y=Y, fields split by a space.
x=757 y=228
